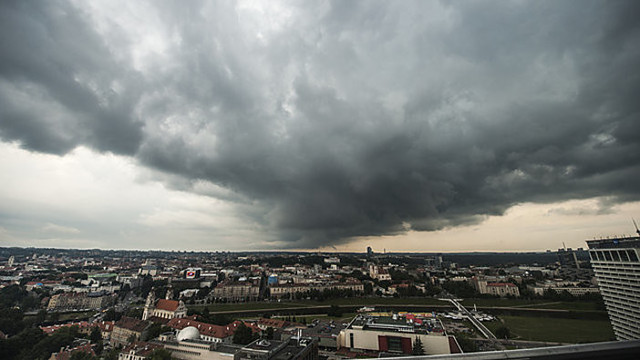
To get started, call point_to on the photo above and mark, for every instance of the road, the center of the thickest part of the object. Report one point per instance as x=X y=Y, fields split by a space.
x=477 y=323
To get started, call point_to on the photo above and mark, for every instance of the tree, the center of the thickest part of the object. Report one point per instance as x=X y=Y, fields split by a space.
x=81 y=355
x=269 y=333
x=334 y=311
x=155 y=330
x=110 y=315
x=112 y=354
x=503 y=332
x=160 y=354
x=418 y=349
x=95 y=336
x=243 y=335
x=41 y=316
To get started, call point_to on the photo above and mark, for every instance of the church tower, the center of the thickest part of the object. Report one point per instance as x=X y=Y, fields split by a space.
x=149 y=305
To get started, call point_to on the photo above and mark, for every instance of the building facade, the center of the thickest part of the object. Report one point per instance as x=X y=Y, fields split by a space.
x=495 y=288
x=237 y=291
x=395 y=335
x=616 y=266
x=278 y=291
x=75 y=301
x=163 y=308
x=127 y=330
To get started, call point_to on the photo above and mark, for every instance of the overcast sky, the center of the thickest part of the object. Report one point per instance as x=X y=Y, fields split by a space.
x=407 y=126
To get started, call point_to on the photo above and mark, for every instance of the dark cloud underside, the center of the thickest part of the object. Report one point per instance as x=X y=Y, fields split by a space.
x=342 y=119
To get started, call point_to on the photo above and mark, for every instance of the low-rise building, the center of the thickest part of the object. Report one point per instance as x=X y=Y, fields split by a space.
x=237 y=291
x=127 y=330
x=138 y=350
x=396 y=334
x=281 y=290
x=188 y=344
x=495 y=288
x=75 y=301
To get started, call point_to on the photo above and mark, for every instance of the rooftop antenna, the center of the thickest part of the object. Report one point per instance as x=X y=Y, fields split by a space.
x=564 y=246
x=636 y=225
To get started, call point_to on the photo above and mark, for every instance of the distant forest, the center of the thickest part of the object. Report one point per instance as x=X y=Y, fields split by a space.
x=492 y=259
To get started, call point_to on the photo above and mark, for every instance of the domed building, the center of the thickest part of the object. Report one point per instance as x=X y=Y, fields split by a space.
x=188 y=333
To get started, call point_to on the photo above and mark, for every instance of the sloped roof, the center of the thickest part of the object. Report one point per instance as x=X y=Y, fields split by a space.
x=169 y=305
x=274 y=323
x=141 y=348
x=205 y=329
x=132 y=324
x=217 y=331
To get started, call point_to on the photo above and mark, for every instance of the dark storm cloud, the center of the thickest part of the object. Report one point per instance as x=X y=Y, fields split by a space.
x=348 y=118
x=58 y=79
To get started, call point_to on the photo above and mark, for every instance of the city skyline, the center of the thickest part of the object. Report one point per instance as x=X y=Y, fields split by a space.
x=410 y=127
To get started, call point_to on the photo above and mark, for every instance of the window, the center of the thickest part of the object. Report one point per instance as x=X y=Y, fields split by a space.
x=351 y=340
x=607 y=255
x=616 y=255
x=395 y=344
x=632 y=255
x=624 y=256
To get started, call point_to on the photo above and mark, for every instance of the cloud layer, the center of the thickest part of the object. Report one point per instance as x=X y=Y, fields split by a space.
x=325 y=121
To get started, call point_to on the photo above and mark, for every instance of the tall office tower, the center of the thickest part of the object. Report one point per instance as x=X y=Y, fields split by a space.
x=617 y=269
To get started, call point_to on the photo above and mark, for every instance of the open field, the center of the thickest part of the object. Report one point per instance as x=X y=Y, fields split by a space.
x=555 y=329
x=308 y=303
x=369 y=301
x=568 y=305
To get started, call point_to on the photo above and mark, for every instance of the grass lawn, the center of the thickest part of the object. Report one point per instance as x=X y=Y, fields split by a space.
x=267 y=305
x=253 y=306
x=534 y=304
x=568 y=305
x=556 y=329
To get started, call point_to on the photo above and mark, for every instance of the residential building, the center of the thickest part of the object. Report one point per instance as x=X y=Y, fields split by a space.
x=75 y=301
x=67 y=353
x=282 y=290
x=237 y=291
x=616 y=266
x=138 y=350
x=495 y=288
x=127 y=329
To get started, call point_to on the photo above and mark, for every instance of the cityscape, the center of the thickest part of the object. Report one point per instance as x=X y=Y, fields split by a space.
x=313 y=305
x=319 y=180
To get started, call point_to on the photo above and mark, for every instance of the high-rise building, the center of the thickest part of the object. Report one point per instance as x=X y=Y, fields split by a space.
x=568 y=258
x=616 y=266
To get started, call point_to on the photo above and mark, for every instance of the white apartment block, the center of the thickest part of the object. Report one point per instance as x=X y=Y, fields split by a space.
x=617 y=269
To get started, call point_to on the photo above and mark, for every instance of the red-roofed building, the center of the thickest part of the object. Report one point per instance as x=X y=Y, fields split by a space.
x=106 y=327
x=84 y=327
x=65 y=354
x=163 y=308
x=264 y=323
x=138 y=350
x=128 y=328
x=210 y=332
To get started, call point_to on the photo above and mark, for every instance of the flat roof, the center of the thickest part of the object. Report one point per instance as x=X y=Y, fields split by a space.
x=614 y=243
x=396 y=324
